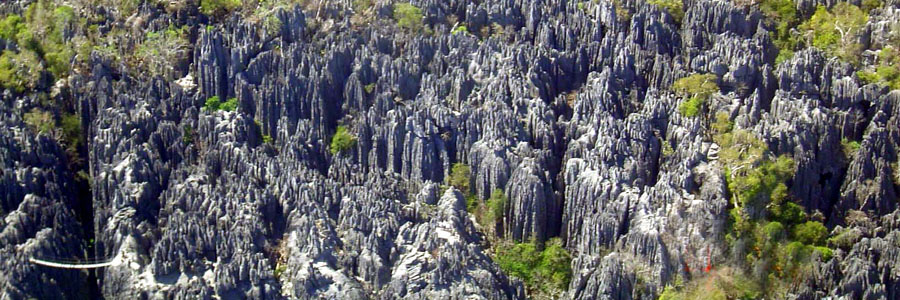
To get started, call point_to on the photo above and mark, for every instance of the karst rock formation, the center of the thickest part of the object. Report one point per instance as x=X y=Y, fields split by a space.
x=566 y=107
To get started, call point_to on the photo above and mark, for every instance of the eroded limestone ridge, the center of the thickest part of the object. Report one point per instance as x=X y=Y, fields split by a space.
x=450 y=149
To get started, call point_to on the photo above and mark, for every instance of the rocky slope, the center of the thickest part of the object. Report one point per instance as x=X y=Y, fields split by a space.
x=563 y=105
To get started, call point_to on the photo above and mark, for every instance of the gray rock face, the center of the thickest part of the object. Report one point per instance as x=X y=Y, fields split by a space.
x=562 y=105
x=37 y=204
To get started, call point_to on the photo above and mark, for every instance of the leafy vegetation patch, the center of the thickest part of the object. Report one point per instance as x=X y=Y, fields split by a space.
x=460 y=176
x=834 y=31
x=460 y=29
x=850 y=148
x=784 y=16
x=408 y=17
x=160 y=48
x=19 y=71
x=697 y=88
x=42 y=46
x=342 y=140
x=886 y=70
x=675 y=8
x=720 y=285
x=218 y=8
x=214 y=104
x=771 y=236
x=40 y=121
x=546 y=271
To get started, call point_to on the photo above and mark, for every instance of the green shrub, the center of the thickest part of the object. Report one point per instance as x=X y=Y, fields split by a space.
x=472 y=204
x=811 y=233
x=825 y=252
x=460 y=177
x=869 y=5
x=19 y=71
x=496 y=206
x=867 y=77
x=889 y=75
x=784 y=16
x=408 y=17
x=342 y=140
x=460 y=29
x=795 y=252
x=691 y=107
x=369 y=88
x=71 y=131
x=40 y=34
x=674 y=7
x=212 y=104
x=11 y=26
x=696 y=85
x=43 y=34
x=886 y=71
x=542 y=271
x=40 y=121
x=160 y=50
x=217 y=8
x=230 y=105
x=849 y=147
x=789 y=213
x=722 y=125
x=835 y=31
x=846 y=238
x=667 y=149
x=519 y=260
x=697 y=88
x=724 y=284
x=774 y=230
x=187 y=134
x=555 y=268
x=279 y=270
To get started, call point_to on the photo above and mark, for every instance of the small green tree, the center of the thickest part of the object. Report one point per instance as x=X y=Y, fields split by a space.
x=19 y=71
x=869 y=5
x=696 y=85
x=784 y=16
x=11 y=26
x=697 y=88
x=811 y=233
x=71 y=131
x=674 y=7
x=835 y=31
x=496 y=206
x=459 y=29
x=408 y=16
x=160 y=50
x=690 y=107
x=342 y=140
x=886 y=71
x=217 y=8
x=555 y=266
x=543 y=271
x=519 y=260
x=40 y=121
x=187 y=134
x=230 y=105
x=849 y=147
x=212 y=104
x=460 y=176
